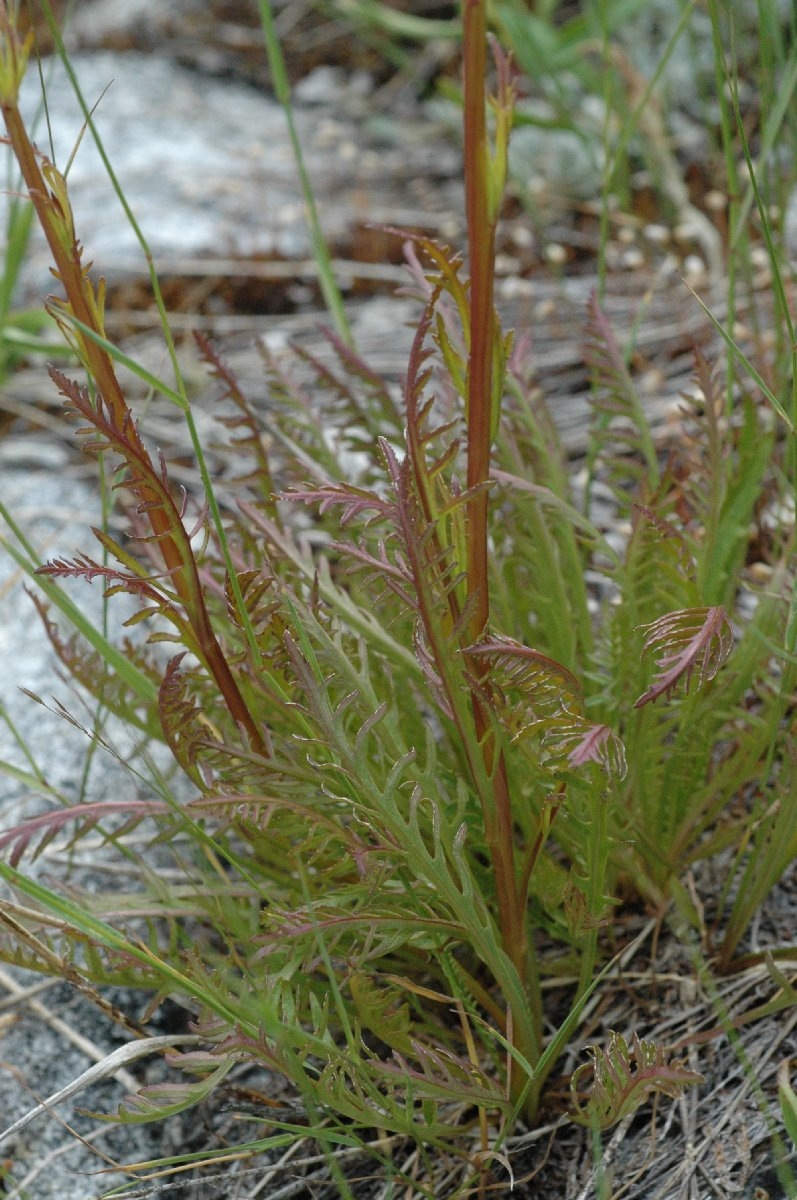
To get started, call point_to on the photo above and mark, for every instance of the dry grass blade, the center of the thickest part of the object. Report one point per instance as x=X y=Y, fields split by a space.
x=109 y=1066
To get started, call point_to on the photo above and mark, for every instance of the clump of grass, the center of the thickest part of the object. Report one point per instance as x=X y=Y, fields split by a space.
x=427 y=771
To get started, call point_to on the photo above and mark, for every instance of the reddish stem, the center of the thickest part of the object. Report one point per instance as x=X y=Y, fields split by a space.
x=481 y=244
x=481 y=221
x=171 y=540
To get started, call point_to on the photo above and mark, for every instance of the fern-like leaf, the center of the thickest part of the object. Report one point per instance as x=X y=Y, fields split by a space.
x=88 y=668
x=586 y=742
x=140 y=585
x=689 y=641
x=444 y=1077
x=32 y=837
x=351 y=500
x=543 y=681
x=624 y=1078
x=530 y=692
x=621 y=423
x=380 y=1011
x=181 y=719
x=163 y=1100
x=250 y=438
x=256 y=588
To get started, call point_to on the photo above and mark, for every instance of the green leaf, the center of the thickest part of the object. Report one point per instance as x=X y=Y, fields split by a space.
x=163 y=1100
x=380 y=1012
x=623 y=1079
x=788 y=1101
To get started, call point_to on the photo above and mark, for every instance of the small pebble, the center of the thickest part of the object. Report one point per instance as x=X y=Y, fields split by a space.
x=694 y=268
x=523 y=237
x=657 y=233
x=715 y=200
x=632 y=259
x=760 y=573
x=556 y=254
x=515 y=287
x=506 y=264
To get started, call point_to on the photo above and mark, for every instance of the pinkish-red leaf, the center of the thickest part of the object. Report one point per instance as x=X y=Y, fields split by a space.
x=598 y=744
x=689 y=641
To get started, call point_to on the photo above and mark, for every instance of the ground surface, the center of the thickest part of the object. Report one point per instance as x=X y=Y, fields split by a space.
x=375 y=155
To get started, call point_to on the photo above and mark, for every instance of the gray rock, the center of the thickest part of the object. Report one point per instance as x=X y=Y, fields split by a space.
x=205 y=166
x=50 y=1037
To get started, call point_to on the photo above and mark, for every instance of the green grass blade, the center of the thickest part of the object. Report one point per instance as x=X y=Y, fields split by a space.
x=282 y=88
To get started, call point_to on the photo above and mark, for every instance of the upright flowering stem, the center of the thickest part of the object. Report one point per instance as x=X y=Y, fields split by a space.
x=481 y=244
x=484 y=182
x=48 y=193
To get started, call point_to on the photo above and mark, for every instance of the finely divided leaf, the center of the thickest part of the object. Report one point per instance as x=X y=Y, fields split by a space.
x=162 y=1100
x=687 y=641
x=586 y=742
x=526 y=686
x=32 y=837
x=381 y=1012
x=624 y=1078
x=181 y=719
x=621 y=424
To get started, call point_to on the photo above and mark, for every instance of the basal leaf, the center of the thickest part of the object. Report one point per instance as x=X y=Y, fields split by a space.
x=381 y=1012
x=165 y=1099
x=624 y=1078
